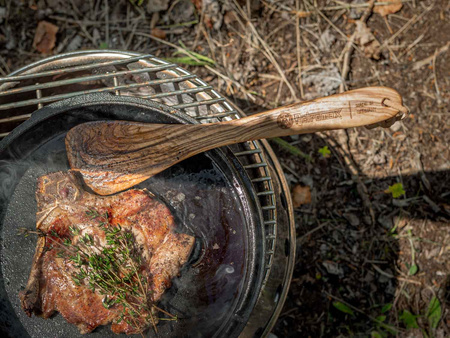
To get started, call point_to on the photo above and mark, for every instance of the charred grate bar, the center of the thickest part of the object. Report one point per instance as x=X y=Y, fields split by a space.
x=144 y=76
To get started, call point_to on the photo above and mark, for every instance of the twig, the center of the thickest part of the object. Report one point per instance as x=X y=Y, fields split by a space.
x=300 y=239
x=2 y=60
x=412 y=45
x=406 y=26
x=349 y=47
x=424 y=62
x=438 y=93
x=268 y=52
x=299 y=57
x=107 y=22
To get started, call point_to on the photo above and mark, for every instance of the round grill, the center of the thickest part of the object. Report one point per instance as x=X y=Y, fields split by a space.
x=144 y=76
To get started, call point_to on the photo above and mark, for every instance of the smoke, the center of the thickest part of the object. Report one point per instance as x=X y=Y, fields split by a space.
x=9 y=175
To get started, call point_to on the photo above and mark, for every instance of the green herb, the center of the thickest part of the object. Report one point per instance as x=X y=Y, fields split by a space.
x=92 y=213
x=325 y=152
x=343 y=308
x=387 y=307
x=114 y=270
x=290 y=148
x=434 y=312
x=396 y=190
x=409 y=319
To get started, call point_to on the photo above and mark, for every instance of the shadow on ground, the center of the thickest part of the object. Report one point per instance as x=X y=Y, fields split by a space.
x=353 y=276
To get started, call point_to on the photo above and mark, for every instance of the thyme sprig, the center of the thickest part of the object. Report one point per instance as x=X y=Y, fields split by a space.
x=114 y=270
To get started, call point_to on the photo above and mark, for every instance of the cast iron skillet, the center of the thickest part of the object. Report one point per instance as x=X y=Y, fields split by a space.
x=208 y=194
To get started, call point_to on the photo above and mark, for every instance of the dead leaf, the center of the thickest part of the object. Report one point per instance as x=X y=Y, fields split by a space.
x=45 y=37
x=302 y=14
x=229 y=18
x=392 y=8
x=367 y=41
x=158 y=33
x=301 y=195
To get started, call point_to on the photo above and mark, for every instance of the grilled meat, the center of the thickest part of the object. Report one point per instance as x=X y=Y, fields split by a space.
x=63 y=206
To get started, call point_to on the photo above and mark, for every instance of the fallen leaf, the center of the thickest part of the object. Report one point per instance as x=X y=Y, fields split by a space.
x=158 y=33
x=302 y=14
x=301 y=195
x=45 y=37
x=409 y=319
x=367 y=41
x=229 y=18
x=434 y=312
x=343 y=308
x=392 y=8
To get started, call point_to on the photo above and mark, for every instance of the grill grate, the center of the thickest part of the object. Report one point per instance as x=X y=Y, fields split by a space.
x=145 y=76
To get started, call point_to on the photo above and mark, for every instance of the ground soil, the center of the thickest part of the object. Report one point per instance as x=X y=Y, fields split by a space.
x=356 y=243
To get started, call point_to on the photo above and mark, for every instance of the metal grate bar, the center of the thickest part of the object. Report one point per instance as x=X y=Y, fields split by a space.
x=262 y=179
x=248 y=152
x=60 y=83
x=178 y=92
x=75 y=69
x=265 y=193
x=270 y=222
x=256 y=165
x=97 y=90
x=268 y=207
x=199 y=103
x=15 y=118
x=216 y=116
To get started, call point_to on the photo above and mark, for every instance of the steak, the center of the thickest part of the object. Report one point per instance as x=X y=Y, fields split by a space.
x=69 y=218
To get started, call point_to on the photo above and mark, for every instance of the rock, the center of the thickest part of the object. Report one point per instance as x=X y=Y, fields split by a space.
x=324 y=83
x=367 y=41
x=2 y=14
x=326 y=41
x=157 y=5
x=333 y=268
x=352 y=219
x=307 y=180
x=356 y=12
x=96 y=36
x=75 y=44
x=380 y=158
x=183 y=11
x=386 y=221
x=212 y=13
x=12 y=42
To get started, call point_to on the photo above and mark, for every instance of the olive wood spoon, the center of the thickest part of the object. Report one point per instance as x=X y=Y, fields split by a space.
x=115 y=155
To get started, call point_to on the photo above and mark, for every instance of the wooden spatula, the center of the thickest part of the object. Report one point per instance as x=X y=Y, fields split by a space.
x=116 y=155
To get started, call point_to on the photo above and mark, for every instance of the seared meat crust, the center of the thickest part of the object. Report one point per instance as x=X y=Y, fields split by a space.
x=63 y=203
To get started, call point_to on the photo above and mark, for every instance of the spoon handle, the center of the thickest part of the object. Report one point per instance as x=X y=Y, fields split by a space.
x=360 y=107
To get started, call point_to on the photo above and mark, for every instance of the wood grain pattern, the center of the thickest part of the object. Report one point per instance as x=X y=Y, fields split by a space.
x=113 y=156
